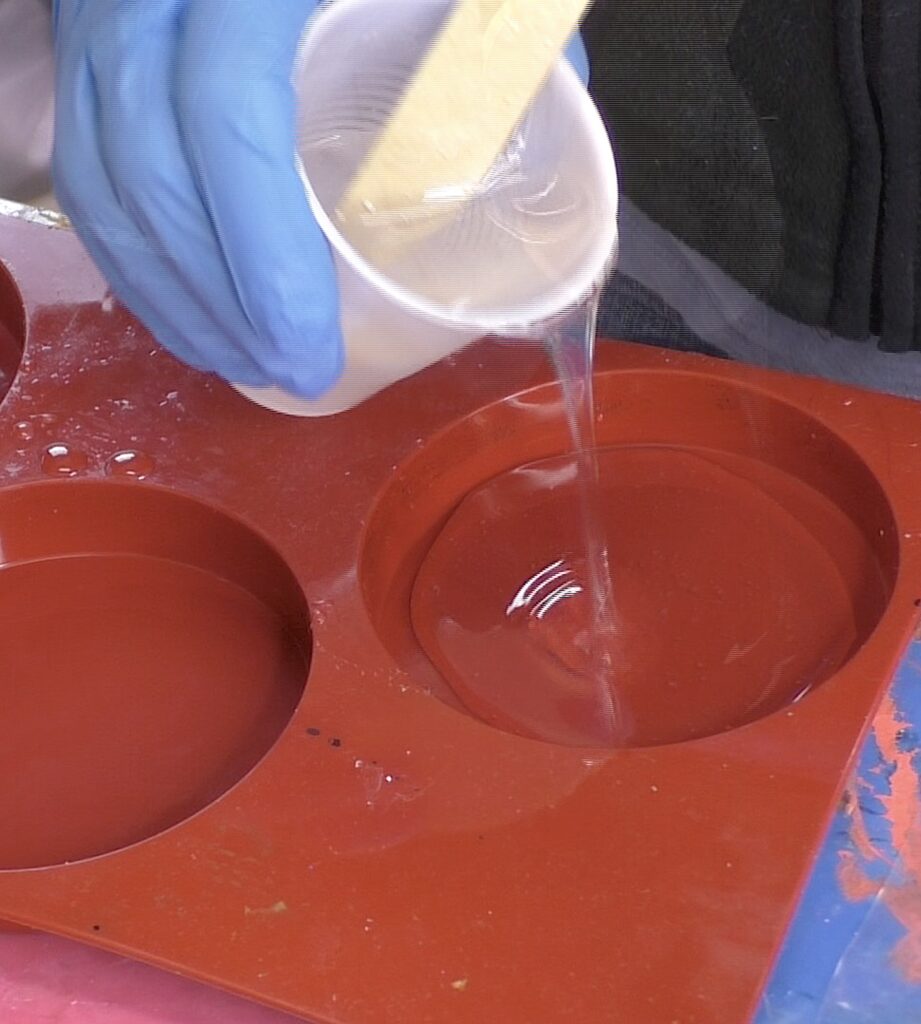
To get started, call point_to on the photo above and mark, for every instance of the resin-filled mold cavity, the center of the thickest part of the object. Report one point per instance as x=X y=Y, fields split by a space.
x=752 y=554
x=153 y=651
x=12 y=330
x=737 y=590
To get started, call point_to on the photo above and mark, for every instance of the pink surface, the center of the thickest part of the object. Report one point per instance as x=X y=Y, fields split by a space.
x=47 y=980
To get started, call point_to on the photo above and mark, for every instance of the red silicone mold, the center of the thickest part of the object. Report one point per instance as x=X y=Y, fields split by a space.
x=241 y=742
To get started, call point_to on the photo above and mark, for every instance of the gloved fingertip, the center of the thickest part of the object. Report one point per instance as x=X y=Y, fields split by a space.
x=304 y=355
x=319 y=372
x=577 y=55
x=244 y=377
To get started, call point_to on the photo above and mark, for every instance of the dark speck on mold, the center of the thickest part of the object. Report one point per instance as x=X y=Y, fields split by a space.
x=313 y=732
x=97 y=927
x=918 y=602
x=335 y=742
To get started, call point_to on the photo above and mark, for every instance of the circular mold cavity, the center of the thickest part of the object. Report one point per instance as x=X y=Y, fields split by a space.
x=751 y=551
x=12 y=330
x=153 y=651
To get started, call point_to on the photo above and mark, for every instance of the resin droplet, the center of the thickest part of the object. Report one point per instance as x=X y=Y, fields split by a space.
x=62 y=460
x=24 y=430
x=131 y=464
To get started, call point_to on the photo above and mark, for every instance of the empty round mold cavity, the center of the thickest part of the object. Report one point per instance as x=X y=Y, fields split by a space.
x=12 y=329
x=751 y=552
x=153 y=651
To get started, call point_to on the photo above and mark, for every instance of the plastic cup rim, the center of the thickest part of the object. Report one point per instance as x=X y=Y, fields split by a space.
x=579 y=287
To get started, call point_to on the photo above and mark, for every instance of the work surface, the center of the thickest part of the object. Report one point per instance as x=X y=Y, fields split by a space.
x=853 y=956
x=875 y=824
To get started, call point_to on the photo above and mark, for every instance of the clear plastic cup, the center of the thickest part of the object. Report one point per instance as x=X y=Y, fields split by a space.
x=529 y=242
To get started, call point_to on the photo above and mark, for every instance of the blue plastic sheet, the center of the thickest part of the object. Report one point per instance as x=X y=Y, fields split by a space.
x=841 y=963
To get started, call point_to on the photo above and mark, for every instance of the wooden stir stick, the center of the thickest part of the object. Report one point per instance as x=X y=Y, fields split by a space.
x=455 y=118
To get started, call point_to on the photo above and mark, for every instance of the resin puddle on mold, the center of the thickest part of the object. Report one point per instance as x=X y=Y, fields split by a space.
x=739 y=589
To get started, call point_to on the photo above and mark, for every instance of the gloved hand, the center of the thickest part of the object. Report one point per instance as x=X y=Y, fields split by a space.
x=578 y=57
x=174 y=159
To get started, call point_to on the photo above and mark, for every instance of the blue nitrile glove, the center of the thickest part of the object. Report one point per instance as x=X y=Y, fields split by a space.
x=578 y=57
x=174 y=159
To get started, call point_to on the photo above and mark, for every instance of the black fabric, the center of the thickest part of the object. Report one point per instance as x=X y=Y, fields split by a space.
x=781 y=139
x=894 y=78
x=690 y=151
x=852 y=303
x=631 y=312
x=782 y=53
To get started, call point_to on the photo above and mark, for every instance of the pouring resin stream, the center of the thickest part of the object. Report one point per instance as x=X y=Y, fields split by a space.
x=566 y=606
x=572 y=599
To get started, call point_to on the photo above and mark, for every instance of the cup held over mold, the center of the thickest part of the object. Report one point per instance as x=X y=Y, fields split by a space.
x=530 y=241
